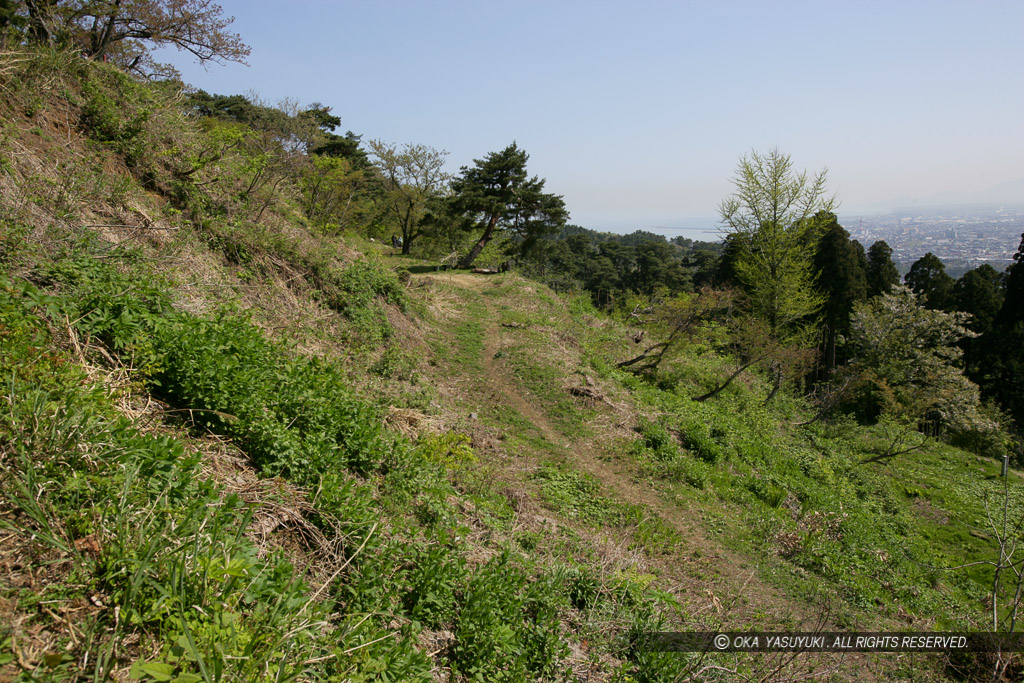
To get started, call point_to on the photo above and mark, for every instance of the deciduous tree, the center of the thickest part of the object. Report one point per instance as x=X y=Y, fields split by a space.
x=910 y=359
x=770 y=215
x=125 y=31
x=413 y=176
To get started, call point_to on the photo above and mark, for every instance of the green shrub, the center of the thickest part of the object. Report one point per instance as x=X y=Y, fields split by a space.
x=436 y=576
x=697 y=437
x=450 y=450
x=395 y=363
x=654 y=435
x=118 y=122
x=506 y=629
x=771 y=495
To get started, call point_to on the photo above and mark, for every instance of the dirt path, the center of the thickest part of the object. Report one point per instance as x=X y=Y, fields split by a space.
x=723 y=580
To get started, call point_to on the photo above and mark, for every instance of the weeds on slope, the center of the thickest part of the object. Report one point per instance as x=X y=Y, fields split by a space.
x=184 y=592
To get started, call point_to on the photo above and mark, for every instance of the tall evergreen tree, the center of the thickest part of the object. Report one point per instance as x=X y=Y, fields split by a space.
x=929 y=280
x=725 y=274
x=841 y=264
x=881 y=271
x=979 y=292
x=1003 y=371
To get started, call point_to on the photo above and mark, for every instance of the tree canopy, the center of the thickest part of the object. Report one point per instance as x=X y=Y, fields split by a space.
x=773 y=233
x=881 y=271
x=413 y=176
x=1003 y=373
x=770 y=214
x=496 y=195
x=929 y=280
x=126 y=31
x=910 y=355
x=840 y=265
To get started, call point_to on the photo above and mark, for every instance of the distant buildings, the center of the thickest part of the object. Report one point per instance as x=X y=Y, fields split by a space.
x=962 y=239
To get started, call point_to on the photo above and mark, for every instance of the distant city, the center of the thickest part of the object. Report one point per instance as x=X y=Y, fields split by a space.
x=962 y=237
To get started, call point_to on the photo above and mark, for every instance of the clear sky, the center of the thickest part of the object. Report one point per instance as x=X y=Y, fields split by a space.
x=637 y=112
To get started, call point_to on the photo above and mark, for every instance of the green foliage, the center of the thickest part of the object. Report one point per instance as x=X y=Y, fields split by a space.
x=577 y=496
x=365 y=280
x=771 y=213
x=660 y=454
x=434 y=580
x=169 y=550
x=507 y=628
x=396 y=363
x=292 y=415
x=496 y=195
x=928 y=279
x=12 y=241
x=1002 y=373
x=104 y=118
x=910 y=356
x=414 y=179
x=881 y=272
x=842 y=278
x=450 y=450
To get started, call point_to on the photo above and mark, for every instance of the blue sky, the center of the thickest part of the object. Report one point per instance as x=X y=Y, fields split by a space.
x=638 y=112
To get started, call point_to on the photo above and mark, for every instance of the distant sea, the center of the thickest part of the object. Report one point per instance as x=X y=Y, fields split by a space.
x=698 y=229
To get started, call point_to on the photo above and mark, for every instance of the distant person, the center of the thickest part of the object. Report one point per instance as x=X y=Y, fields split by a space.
x=396 y=242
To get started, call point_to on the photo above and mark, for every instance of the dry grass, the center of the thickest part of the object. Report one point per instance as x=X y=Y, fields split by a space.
x=411 y=423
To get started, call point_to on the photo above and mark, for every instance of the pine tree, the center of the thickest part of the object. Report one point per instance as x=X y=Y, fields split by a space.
x=496 y=195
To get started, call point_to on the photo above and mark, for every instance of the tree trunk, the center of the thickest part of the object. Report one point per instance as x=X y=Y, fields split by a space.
x=776 y=383
x=38 y=22
x=467 y=261
x=100 y=42
x=714 y=392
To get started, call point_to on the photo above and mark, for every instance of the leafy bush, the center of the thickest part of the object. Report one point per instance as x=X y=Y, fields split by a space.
x=116 y=112
x=662 y=457
x=292 y=415
x=506 y=629
x=434 y=580
x=395 y=363
x=697 y=437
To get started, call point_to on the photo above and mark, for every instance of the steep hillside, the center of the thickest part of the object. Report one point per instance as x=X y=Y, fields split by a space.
x=240 y=445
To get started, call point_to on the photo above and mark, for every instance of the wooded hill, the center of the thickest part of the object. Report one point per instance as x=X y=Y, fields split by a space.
x=244 y=437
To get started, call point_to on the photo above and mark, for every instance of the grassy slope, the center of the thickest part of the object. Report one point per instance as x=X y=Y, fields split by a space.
x=622 y=503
